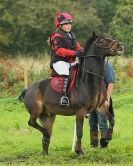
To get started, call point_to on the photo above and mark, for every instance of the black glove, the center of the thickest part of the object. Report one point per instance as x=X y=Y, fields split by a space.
x=79 y=53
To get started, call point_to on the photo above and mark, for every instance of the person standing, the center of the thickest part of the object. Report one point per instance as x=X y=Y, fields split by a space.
x=97 y=121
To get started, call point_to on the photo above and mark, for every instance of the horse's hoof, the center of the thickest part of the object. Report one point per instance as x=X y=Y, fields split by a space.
x=109 y=134
x=79 y=152
x=45 y=153
x=103 y=143
x=94 y=145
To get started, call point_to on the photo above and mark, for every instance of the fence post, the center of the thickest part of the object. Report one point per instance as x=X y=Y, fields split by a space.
x=25 y=77
x=74 y=137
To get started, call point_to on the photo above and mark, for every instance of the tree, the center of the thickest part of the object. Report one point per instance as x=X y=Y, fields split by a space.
x=26 y=24
x=122 y=25
x=106 y=10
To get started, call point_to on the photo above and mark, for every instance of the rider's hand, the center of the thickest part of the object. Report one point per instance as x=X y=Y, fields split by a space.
x=79 y=53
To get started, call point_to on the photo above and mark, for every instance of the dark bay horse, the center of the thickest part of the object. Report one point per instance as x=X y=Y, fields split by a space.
x=43 y=103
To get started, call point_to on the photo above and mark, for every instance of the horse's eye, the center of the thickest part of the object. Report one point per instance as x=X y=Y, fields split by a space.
x=101 y=41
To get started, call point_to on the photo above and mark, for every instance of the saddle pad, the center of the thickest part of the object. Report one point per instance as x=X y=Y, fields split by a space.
x=57 y=82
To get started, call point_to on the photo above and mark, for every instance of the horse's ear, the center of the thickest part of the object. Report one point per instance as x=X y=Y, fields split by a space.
x=94 y=35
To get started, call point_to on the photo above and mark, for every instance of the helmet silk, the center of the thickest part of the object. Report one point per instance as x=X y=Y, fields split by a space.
x=62 y=18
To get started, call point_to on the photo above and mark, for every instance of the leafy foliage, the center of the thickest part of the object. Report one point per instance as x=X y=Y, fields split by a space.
x=26 y=24
x=122 y=25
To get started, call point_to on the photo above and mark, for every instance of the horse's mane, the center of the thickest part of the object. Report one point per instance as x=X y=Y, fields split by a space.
x=91 y=39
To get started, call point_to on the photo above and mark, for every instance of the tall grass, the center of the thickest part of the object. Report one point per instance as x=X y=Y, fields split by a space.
x=12 y=73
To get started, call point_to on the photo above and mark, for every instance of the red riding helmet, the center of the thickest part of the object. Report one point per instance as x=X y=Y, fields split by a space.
x=62 y=18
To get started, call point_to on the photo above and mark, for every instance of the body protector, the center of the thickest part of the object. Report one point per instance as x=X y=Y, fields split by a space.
x=63 y=46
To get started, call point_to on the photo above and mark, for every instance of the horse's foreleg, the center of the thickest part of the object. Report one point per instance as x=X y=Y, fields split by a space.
x=47 y=122
x=79 y=132
x=111 y=126
x=111 y=121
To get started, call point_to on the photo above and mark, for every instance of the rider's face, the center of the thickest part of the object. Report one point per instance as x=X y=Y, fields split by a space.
x=66 y=27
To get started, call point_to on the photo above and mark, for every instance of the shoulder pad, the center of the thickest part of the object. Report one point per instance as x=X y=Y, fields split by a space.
x=56 y=34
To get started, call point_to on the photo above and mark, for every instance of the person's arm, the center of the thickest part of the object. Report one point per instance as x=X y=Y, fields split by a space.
x=57 y=46
x=78 y=47
x=109 y=90
x=109 y=78
x=109 y=93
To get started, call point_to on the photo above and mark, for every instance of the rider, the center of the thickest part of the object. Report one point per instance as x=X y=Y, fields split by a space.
x=65 y=49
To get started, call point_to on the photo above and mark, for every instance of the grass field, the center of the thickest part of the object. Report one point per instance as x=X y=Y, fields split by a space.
x=20 y=144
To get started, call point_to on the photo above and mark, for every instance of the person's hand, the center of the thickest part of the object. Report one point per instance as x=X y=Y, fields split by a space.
x=107 y=103
x=79 y=53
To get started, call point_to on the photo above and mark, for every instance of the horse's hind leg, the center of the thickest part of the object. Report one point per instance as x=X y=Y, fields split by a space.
x=79 y=131
x=47 y=122
x=32 y=122
x=36 y=112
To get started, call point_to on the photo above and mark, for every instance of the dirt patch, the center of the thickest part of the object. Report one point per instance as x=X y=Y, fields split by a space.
x=18 y=159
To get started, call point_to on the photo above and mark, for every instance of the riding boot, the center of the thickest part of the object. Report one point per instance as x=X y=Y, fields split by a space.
x=103 y=141
x=64 y=101
x=94 y=138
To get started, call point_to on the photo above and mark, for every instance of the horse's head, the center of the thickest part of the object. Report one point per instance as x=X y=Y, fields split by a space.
x=103 y=46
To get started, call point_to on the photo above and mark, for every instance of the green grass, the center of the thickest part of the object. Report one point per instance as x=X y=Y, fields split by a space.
x=20 y=144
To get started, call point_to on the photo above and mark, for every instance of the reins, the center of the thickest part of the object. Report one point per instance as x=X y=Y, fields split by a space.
x=93 y=73
x=87 y=71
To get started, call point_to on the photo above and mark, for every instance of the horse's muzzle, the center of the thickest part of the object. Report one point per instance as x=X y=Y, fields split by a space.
x=117 y=48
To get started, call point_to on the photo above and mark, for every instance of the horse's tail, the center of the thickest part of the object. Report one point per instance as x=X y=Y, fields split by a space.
x=22 y=95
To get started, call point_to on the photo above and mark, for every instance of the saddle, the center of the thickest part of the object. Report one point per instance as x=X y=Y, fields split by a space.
x=57 y=81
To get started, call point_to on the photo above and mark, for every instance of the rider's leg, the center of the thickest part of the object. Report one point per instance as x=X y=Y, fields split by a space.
x=64 y=99
x=62 y=68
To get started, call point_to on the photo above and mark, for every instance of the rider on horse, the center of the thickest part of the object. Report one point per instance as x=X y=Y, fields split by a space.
x=65 y=49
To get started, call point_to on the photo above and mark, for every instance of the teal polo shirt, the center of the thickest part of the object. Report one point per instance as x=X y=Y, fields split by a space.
x=109 y=75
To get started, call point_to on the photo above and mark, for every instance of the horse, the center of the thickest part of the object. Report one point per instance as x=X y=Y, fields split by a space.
x=86 y=95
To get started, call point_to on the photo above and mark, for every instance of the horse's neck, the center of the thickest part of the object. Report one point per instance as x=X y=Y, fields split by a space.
x=92 y=81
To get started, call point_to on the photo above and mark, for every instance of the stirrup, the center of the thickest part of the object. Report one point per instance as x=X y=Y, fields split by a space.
x=64 y=101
